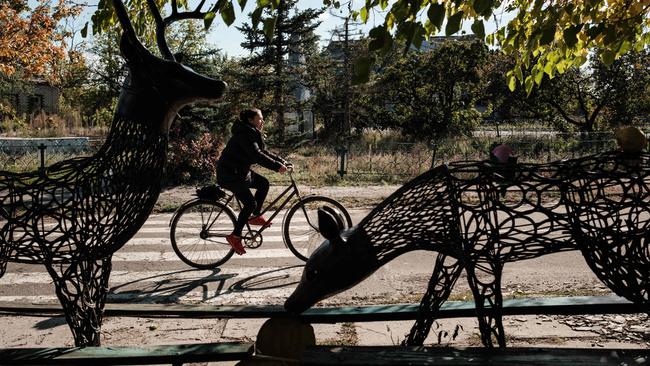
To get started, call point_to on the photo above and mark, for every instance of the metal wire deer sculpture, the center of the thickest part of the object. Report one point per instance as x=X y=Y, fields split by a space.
x=478 y=216
x=75 y=214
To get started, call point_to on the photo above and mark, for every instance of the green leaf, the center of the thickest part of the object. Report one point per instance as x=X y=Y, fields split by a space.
x=512 y=81
x=256 y=16
x=608 y=57
x=548 y=34
x=625 y=47
x=269 y=27
x=436 y=14
x=364 y=14
x=518 y=73
x=571 y=35
x=548 y=68
x=483 y=7
x=379 y=37
x=453 y=23
x=362 y=70
x=539 y=76
x=595 y=31
x=418 y=36
x=84 y=30
x=528 y=84
x=208 y=19
x=242 y=4
x=478 y=28
x=228 y=14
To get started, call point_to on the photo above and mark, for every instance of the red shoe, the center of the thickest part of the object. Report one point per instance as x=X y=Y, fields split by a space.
x=235 y=243
x=259 y=221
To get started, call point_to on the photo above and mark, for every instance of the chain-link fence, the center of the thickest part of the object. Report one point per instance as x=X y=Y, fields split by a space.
x=411 y=159
x=27 y=154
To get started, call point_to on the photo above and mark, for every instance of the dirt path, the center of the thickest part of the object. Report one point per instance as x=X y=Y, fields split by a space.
x=366 y=196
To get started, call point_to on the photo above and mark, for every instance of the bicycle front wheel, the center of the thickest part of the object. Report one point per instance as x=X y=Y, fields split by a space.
x=300 y=227
x=198 y=233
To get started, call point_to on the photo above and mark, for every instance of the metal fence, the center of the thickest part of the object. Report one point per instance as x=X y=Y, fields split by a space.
x=28 y=154
x=411 y=159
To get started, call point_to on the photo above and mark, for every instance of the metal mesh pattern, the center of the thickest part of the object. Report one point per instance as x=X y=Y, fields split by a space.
x=609 y=204
x=478 y=216
x=75 y=214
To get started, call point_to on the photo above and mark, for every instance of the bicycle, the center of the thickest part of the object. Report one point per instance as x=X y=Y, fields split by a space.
x=204 y=246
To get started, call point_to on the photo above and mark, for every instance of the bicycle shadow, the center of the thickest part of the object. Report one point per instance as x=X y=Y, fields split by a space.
x=161 y=289
x=164 y=288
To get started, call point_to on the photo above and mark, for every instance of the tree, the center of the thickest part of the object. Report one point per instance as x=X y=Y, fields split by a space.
x=550 y=36
x=268 y=63
x=31 y=44
x=432 y=94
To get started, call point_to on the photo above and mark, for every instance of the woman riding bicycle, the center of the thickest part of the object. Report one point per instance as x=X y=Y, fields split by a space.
x=245 y=148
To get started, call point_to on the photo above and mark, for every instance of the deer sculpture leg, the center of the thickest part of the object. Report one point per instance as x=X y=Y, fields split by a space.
x=81 y=287
x=440 y=285
x=485 y=281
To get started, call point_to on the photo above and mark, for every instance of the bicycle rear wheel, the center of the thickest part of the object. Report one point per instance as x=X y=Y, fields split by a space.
x=300 y=227
x=198 y=233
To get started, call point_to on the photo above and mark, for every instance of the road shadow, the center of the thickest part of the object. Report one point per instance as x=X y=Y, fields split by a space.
x=162 y=289
x=52 y=322
x=265 y=281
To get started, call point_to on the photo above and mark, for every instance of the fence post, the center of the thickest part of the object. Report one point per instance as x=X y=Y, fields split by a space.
x=42 y=148
x=341 y=151
x=434 y=149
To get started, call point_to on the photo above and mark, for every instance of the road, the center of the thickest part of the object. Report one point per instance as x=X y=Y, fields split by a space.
x=146 y=270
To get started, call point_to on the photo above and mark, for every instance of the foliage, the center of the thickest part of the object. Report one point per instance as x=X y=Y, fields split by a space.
x=589 y=98
x=269 y=65
x=547 y=37
x=31 y=44
x=326 y=78
x=429 y=95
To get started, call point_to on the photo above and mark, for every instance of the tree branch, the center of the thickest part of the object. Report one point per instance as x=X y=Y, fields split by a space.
x=160 y=31
x=194 y=14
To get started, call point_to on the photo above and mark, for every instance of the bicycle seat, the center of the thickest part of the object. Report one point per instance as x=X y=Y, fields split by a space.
x=210 y=192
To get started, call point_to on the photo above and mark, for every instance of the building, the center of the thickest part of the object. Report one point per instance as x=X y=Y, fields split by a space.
x=38 y=96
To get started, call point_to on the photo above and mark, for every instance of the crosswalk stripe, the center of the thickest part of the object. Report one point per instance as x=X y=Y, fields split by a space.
x=197 y=228
x=172 y=257
x=267 y=239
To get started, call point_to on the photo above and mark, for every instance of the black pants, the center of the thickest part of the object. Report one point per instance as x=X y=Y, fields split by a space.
x=251 y=204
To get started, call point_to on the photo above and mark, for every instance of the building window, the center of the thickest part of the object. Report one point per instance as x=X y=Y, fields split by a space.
x=35 y=103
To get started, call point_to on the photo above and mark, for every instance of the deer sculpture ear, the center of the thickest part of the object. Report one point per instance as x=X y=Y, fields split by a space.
x=132 y=50
x=327 y=225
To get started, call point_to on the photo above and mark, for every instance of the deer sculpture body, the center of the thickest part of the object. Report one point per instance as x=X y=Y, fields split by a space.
x=478 y=216
x=75 y=214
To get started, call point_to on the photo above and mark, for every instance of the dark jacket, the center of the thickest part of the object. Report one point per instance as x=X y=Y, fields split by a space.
x=245 y=148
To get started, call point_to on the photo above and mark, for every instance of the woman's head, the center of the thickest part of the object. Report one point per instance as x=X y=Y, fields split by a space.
x=252 y=116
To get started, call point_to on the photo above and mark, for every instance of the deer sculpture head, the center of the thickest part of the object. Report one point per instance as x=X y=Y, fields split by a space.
x=418 y=216
x=157 y=88
x=343 y=260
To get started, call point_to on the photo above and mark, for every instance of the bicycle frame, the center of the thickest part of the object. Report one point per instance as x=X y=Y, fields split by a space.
x=291 y=191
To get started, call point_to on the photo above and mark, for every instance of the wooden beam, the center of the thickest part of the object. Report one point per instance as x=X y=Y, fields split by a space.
x=450 y=309
x=457 y=356
x=141 y=355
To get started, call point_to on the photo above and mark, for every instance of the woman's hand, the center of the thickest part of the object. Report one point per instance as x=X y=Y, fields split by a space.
x=282 y=169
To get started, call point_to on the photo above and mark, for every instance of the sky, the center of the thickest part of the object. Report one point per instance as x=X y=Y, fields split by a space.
x=229 y=39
